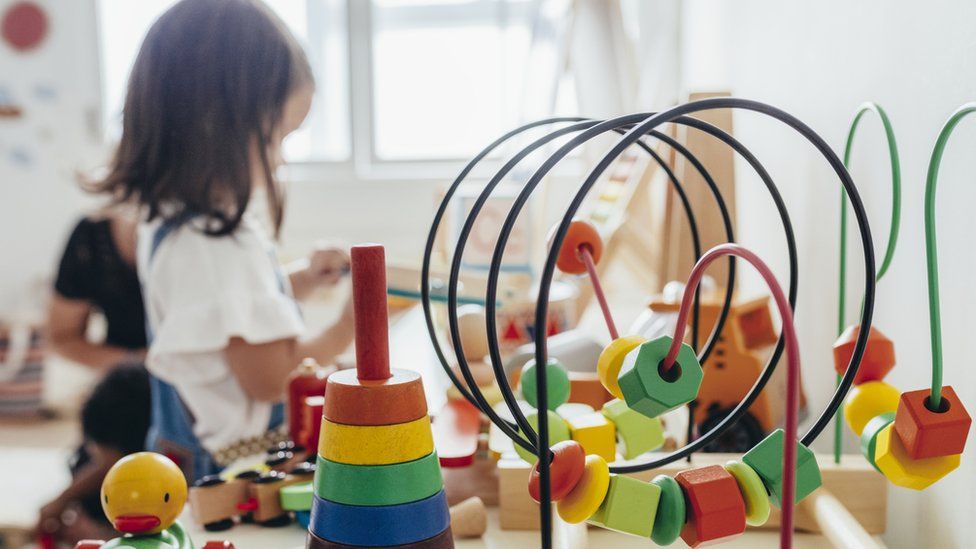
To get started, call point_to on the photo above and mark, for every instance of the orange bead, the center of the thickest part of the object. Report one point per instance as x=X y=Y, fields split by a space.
x=878 y=358
x=926 y=433
x=716 y=510
x=565 y=470
x=580 y=233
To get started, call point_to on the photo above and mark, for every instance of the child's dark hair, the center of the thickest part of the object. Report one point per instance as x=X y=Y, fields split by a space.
x=208 y=87
x=117 y=412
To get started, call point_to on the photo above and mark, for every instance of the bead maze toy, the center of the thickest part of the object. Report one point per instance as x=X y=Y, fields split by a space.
x=572 y=463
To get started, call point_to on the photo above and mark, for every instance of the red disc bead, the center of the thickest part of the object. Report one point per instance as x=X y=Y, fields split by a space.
x=565 y=470
x=581 y=233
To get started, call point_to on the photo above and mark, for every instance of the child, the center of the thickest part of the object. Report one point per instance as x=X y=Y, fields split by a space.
x=216 y=87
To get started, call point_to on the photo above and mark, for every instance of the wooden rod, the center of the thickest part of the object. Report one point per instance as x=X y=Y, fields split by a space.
x=837 y=523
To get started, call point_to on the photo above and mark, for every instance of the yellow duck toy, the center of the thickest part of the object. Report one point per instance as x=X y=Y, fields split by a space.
x=142 y=495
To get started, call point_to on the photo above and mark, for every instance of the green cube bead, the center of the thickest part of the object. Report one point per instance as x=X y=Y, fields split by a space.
x=557 y=384
x=646 y=390
x=629 y=506
x=766 y=458
x=869 y=436
x=558 y=432
x=637 y=433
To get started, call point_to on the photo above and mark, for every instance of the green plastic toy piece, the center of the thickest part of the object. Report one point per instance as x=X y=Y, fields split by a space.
x=869 y=437
x=636 y=432
x=174 y=537
x=766 y=458
x=629 y=506
x=670 y=517
x=557 y=384
x=558 y=432
x=649 y=392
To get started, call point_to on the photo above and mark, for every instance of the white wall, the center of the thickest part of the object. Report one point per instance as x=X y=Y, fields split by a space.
x=820 y=60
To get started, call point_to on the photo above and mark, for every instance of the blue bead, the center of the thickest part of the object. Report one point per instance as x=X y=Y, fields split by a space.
x=377 y=526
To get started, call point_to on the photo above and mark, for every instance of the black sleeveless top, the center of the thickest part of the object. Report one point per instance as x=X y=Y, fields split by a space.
x=92 y=269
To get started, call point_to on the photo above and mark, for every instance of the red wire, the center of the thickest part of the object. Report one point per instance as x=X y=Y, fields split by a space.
x=587 y=256
x=792 y=362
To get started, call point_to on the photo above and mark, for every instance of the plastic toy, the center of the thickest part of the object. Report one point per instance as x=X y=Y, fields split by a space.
x=307 y=381
x=375 y=428
x=142 y=496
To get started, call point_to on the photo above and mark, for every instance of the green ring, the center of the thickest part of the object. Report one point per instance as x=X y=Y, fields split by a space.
x=869 y=437
x=753 y=492
x=374 y=485
x=670 y=518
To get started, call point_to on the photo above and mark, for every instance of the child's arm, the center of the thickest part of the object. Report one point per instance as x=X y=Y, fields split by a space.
x=262 y=369
x=67 y=322
x=323 y=267
x=88 y=480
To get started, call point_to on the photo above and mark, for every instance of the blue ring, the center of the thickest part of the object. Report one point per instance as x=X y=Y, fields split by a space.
x=376 y=526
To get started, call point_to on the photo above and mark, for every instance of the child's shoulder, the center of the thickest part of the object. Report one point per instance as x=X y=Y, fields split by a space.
x=190 y=237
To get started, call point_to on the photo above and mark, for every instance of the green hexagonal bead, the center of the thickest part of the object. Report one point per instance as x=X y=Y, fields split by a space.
x=636 y=432
x=869 y=436
x=557 y=384
x=558 y=432
x=629 y=506
x=649 y=392
x=766 y=458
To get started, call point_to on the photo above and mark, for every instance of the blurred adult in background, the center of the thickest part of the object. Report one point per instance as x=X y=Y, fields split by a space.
x=97 y=275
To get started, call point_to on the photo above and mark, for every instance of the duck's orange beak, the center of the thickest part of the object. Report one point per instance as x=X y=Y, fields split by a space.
x=135 y=524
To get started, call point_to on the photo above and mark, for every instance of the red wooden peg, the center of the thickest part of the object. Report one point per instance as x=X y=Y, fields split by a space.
x=369 y=302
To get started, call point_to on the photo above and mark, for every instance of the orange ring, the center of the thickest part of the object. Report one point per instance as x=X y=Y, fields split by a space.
x=565 y=470
x=580 y=233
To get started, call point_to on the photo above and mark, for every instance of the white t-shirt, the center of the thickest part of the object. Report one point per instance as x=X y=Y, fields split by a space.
x=201 y=291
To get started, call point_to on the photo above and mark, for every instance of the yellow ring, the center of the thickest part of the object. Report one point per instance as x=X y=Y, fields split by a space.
x=612 y=358
x=753 y=492
x=587 y=496
x=376 y=444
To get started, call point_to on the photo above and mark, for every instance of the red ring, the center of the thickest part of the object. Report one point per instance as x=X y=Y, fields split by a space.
x=565 y=470
x=581 y=233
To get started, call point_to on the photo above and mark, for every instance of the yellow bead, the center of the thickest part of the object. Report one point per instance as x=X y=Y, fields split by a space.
x=587 y=496
x=894 y=462
x=867 y=400
x=140 y=485
x=612 y=358
x=595 y=434
x=375 y=444
x=753 y=492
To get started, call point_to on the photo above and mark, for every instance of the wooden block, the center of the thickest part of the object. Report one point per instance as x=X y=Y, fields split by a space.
x=928 y=434
x=444 y=540
x=854 y=482
x=213 y=501
x=352 y=401
x=753 y=492
x=766 y=459
x=472 y=329
x=895 y=463
x=585 y=388
x=383 y=525
x=612 y=359
x=376 y=444
x=595 y=434
x=297 y=497
x=374 y=485
x=469 y=519
x=867 y=400
x=456 y=429
x=263 y=493
x=368 y=262
x=629 y=506
x=671 y=511
x=636 y=432
x=587 y=496
x=869 y=437
x=580 y=233
x=716 y=511
x=558 y=432
x=574 y=409
x=480 y=479
x=652 y=393
x=565 y=471
x=557 y=383
x=878 y=358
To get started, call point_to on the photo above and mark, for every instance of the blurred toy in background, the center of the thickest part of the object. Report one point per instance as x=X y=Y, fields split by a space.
x=143 y=495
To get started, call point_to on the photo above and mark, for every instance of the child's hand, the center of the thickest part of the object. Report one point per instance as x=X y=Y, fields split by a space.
x=326 y=264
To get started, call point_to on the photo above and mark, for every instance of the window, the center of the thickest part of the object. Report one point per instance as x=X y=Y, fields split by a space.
x=413 y=86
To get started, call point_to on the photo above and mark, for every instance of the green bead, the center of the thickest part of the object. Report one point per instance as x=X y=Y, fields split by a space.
x=649 y=392
x=558 y=432
x=670 y=517
x=869 y=436
x=629 y=506
x=375 y=485
x=297 y=497
x=557 y=383
x=637 y=432
x=766 y=458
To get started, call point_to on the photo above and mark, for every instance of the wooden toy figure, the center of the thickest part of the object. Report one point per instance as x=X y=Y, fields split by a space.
x=142 y=496
x=378 y=481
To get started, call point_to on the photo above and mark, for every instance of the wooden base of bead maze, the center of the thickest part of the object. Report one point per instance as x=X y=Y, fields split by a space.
x=853 y=483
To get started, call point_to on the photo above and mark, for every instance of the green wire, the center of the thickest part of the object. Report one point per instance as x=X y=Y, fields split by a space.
x=931 y=255
x=892 y=231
